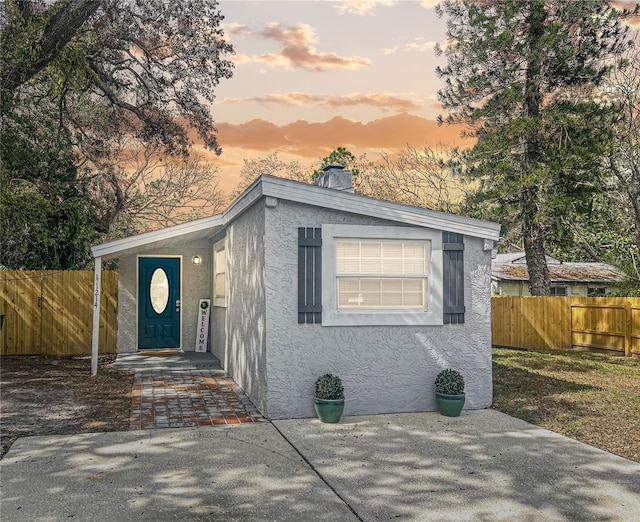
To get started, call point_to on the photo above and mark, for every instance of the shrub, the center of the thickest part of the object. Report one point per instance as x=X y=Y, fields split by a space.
x=329 y=387
x=450 y=382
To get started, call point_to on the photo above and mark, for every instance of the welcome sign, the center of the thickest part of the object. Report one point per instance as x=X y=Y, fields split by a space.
x=202 y=331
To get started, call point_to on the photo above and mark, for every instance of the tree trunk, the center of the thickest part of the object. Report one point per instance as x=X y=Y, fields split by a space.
x=532 y=229
x=58 y=32
x=532 y=234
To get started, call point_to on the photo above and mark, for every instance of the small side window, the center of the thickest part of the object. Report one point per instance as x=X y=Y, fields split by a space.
x=219 y=274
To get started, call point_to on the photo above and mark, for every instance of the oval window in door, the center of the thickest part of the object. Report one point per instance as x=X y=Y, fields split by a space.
x=159 y=290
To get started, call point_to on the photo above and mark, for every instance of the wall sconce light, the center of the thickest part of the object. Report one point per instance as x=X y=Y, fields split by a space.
x=196 y=260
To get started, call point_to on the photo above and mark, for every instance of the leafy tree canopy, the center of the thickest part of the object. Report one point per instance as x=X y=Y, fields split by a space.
x=522 y=74
x=340 y=156
x=148 y=67
x=92 y=94
x=47 y=218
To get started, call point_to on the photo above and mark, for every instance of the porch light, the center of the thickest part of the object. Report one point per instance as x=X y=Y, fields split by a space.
x=196 y=260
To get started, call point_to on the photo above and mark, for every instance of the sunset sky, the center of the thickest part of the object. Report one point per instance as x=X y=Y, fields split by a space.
x=311 y=76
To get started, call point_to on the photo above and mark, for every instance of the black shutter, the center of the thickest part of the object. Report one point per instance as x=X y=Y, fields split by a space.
x=309 y=275
x=453 y=277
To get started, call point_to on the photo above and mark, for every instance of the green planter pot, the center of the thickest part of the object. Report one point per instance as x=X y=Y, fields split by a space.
x=450 y=405
x=329 y=410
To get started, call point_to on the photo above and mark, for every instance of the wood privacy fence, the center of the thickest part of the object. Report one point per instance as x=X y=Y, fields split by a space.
x=600 y=323
x=51 y=312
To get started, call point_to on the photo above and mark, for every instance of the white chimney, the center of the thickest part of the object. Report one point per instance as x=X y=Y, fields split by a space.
x=335 y=177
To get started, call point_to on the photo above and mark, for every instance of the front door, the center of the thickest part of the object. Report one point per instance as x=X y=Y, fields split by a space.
x=158 y=302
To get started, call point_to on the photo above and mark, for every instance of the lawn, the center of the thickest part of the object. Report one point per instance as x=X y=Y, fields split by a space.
x=593 y=398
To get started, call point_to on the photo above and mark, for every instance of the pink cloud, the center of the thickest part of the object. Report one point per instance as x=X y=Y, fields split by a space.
x=361 y=7
x=311 y=140
x=384 y=101
x=297 y=51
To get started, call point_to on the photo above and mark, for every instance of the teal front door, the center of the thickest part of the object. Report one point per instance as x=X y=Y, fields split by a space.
x=158 y=302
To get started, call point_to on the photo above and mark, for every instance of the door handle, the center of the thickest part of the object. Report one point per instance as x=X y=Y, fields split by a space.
x=178 y=303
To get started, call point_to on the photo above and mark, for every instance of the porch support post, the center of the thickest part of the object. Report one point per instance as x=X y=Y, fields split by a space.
x=97 y=276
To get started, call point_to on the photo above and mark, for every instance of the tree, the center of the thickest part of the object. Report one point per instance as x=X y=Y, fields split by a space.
x=272 y=165
x=99 y=76
x=47 y=219
x=154 y=193
x=149 y=66
x=623 y=158
x=521 y=75
x=418 y=177
x=339 y=156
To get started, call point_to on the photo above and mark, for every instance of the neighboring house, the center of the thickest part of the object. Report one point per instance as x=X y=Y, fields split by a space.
x=305 y=280
x=509 y=276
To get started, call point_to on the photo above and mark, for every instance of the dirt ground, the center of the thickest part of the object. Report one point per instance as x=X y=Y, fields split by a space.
x=56 y=395
x=588 y=397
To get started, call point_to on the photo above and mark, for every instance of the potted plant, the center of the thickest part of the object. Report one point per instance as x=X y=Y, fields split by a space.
x=450 y=392
x=329 y=398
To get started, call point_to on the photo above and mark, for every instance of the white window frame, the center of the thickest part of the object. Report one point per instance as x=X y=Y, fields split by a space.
x=331 y=316
x=218 y=247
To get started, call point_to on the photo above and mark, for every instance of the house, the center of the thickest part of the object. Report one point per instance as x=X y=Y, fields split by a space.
x=307 y=279
x=509 y=276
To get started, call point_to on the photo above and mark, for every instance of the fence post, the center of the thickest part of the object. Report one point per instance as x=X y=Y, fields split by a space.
x=96 y=315
x=627 y=329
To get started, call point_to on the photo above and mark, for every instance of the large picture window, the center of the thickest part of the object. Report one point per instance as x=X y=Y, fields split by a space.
x=381 y=275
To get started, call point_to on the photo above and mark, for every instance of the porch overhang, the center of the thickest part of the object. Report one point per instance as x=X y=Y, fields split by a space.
x=171 y=236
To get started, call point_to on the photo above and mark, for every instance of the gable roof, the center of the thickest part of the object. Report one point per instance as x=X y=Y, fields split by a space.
x=513 y=267
x=295 y=191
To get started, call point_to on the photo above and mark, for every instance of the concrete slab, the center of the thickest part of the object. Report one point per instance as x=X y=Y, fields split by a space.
x=483 y=465
x=236 y=473
x=166 y=360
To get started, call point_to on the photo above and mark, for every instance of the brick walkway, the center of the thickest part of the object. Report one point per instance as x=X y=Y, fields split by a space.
x=188 y=398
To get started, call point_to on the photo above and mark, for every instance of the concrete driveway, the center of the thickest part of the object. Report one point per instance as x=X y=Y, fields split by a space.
x=483 y=465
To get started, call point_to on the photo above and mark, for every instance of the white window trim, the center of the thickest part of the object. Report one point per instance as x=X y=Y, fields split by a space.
x=331 y=316
x=219 y=301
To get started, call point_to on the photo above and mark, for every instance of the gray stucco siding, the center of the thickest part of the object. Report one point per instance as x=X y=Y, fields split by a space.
x=245 y=327
x=127 y=304
x=218 y=335
x=384 y=369
x=195 y=285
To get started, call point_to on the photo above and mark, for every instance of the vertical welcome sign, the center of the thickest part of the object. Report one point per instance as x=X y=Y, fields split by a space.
x=202 y=331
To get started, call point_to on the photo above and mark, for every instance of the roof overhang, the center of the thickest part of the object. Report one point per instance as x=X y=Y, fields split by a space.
x=298 y=192
x=366 y=206
x=175 y=235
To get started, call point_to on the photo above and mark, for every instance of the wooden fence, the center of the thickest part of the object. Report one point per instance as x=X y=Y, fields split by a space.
x=51 y=312
x=599 y=323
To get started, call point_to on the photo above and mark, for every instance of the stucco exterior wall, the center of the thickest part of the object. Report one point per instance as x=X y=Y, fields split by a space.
x=196 y=285
x=384 y=369
x=246 y=329
x=127 y=305
x=217 y=335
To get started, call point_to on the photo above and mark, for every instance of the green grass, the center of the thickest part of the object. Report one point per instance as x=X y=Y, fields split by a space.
x=593 y=398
